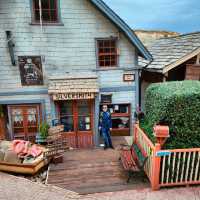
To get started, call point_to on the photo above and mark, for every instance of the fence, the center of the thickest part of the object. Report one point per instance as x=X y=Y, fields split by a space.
x=148 y=149
x=180 y=167
x=168 y=167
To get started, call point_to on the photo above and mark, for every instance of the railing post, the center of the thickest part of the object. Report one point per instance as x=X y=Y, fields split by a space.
x=135 y=133
x=155 y=176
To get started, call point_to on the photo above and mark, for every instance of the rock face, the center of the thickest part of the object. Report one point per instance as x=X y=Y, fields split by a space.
x=148 y=37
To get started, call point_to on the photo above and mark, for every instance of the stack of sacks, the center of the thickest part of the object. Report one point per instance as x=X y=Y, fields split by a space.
x=25 y=148
x=14 y=151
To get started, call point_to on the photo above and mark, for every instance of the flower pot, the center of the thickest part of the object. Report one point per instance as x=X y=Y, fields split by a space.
x=40 y=140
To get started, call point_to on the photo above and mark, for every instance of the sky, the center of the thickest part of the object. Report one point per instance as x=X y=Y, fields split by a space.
x=181 y=16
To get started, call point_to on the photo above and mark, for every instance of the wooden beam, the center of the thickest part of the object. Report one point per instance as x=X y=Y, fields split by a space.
x=198 y=59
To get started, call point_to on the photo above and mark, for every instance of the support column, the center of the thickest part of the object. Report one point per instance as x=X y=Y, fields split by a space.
x=53 y=110
x=155 y=179
x=96 y=121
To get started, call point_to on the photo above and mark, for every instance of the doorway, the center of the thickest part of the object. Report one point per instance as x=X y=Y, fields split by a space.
x=77 y=118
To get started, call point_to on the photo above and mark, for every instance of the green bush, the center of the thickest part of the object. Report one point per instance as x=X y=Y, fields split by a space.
x=43 y=129
x=178 y=105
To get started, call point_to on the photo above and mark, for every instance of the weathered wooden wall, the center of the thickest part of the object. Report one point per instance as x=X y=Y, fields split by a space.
x=65 y=47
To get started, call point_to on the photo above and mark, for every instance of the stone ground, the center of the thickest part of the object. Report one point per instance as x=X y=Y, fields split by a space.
x=15 y=188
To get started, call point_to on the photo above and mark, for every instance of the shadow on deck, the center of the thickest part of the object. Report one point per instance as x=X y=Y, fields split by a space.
x=93 y=171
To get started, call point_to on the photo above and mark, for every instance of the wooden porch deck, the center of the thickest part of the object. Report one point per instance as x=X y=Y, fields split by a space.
x=93 y=171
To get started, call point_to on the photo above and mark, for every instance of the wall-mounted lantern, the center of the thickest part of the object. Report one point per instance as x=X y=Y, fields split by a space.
x=11 y=46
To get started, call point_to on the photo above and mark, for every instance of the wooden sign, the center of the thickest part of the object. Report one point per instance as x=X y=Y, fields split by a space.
x=129 y=77
x=73 y=96
x=30 y=70
x=162 y=153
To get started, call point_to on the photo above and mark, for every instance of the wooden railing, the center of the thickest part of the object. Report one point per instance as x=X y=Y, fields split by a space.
x=168 y=167
x=180 y=167
x=148 y=149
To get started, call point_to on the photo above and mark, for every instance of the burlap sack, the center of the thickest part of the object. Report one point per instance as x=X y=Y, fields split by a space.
x=11 y=157
x=2 y=154
x=5 y=145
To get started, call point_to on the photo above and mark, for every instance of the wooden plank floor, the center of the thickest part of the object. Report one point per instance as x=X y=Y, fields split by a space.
x=92 y=171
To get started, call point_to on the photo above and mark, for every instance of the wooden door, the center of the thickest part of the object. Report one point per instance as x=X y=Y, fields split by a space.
x=25 y=121
x=84 y=124
x=77 y=118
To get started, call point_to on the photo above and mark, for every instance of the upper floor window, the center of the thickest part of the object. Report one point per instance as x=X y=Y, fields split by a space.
x=49 y=11
x=30 y=70
x=107 y=52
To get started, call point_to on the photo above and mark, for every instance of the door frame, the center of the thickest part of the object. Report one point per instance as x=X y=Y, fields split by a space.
x=24 y=106
x=76 y=137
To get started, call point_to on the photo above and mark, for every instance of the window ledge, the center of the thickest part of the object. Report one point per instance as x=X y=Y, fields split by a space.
x=47 y=24
x=114 y=68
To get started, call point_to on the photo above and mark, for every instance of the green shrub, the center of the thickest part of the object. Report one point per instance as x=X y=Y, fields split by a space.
x=43 y=129
x=178 y=105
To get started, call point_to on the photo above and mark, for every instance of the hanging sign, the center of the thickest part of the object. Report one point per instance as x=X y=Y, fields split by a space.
x=73 y=96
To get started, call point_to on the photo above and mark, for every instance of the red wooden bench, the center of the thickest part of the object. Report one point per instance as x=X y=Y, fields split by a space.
x=132 y=160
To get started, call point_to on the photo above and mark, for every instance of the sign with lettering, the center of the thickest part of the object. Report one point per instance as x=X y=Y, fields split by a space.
x=129 y=77
x=73 y=96
x=162 y=153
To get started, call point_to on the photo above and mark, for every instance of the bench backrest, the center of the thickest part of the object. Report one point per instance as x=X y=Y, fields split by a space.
x=138 y=156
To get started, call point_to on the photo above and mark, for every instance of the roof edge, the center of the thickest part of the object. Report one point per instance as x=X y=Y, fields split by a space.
x=109 y=13
x=181 y=60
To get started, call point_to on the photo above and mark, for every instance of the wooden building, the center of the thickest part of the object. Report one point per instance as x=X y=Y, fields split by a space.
x=174 y=59
x=59 y=60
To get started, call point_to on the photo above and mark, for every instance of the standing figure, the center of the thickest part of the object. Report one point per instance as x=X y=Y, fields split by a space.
x=105 y=126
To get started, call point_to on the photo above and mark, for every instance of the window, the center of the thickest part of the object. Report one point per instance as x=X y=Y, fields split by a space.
x=49 y=10
x=30 y=70
x=120 y=119
x=25 y=120
x=106 y=98
x=107 y=53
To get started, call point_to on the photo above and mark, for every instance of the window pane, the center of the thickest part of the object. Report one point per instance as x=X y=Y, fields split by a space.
x=36 y=4
x=45 y=15
x=32 y=116
x=53 y=4
x=45 y=4
x=120 y=122
x=17 y=121
x=84 y=123
x=66 y=108
x=68 y=123
x=37 y=15
x=83 y=108
x=53 y=15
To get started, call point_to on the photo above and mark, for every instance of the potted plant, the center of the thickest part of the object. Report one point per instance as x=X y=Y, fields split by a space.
x=43 y=132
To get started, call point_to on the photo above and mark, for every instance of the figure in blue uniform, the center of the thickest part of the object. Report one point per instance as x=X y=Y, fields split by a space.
x=105 y=126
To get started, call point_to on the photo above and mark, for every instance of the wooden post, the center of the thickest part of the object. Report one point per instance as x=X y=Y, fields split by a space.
x=135 y=132
x=155 y=179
